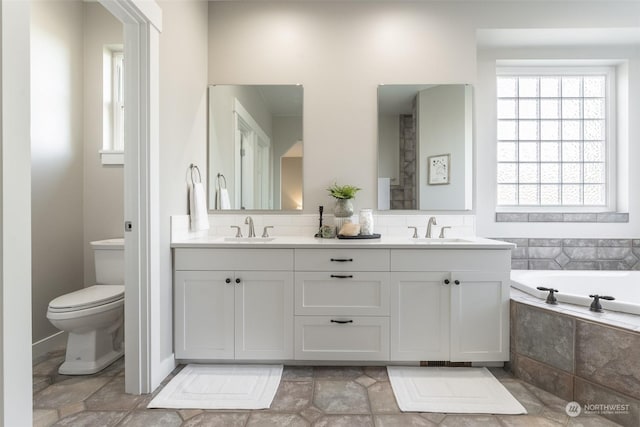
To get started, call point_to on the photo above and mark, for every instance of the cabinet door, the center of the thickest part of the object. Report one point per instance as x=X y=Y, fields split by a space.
x=264 y=315
x=479 y=317
x=419 y=316
x=204 y=315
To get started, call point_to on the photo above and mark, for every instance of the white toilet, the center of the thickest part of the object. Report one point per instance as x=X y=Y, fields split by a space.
x=94 y=316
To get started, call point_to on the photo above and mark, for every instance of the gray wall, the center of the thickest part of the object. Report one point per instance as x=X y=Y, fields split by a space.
x=56 y=153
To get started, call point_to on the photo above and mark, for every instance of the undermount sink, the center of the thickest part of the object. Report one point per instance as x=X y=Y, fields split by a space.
x=249 y=239
x=435 y=241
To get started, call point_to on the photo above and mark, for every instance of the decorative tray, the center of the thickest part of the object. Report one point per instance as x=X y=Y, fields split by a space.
x=359 y=236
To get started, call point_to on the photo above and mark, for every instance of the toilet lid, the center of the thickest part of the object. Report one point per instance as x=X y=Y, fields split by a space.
x=92 y=296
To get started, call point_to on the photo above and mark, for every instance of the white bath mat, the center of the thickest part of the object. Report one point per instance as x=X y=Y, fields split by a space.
x=220 y=387
x=451 y=390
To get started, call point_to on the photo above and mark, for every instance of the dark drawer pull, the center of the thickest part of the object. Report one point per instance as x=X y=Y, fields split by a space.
x=342 y=322
x=342 y=259
x=342 y=276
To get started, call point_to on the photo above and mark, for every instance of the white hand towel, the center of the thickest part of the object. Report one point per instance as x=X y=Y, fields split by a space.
x=198 y=207
x=225 y=203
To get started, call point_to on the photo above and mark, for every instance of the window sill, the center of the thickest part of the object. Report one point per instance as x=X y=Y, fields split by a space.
x=108 y=157
x=603 y=217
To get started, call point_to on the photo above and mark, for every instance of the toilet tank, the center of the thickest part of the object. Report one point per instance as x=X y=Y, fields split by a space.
x=108 y=256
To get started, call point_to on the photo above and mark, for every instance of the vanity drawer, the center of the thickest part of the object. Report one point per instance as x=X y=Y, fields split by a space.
x=342 y=259
x=233 y=259
x=356 y=338
x=351 y=293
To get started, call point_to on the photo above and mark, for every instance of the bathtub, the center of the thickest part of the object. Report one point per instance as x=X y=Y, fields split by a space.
x=575 y=286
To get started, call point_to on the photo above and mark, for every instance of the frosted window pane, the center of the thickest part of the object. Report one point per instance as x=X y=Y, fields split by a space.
x=507 y=195
x=550 y=130
x=549 y=87
x=594 y=86
x=550 y=195
x=593 y=130
x=528 y=87
x=570 y=130
x=550 y=173
x=507 y=152
x=506 y=109
x=507 y=87
x=594 y=173
x=571 y=87
x=528 y=194
x=549 y=151
x=507 y=130
x=594 y=108
x=528 y=151
x=549 y=108
x=571 y=173
x=507 y=172
x=528 y=173
x=528 y=130
x=571 y=195
x=528 y=109
x=571 y=109
x=594 y=195
x=571 y=151
x=594 y=152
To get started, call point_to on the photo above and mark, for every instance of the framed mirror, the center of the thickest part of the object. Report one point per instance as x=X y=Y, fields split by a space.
x=255 y=147
x=425 y=147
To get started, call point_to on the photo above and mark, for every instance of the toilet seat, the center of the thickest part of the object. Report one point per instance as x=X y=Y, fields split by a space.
x=93 y=296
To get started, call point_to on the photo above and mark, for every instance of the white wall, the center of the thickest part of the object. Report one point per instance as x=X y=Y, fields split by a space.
x=183 y=125
x=57 y=161
x=15 y=216
x=341 y=51
x=103 y=186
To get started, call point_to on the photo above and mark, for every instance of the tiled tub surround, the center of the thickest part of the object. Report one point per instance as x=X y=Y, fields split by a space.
x=590 y=358
x=403 y=194
x=574 y=254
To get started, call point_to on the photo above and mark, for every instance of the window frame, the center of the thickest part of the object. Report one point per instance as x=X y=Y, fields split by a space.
x=112 y=152
x=540 y=70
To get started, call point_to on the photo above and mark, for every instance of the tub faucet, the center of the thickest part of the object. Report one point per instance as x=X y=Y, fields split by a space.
x=252 y=232
x=551 y=298
x=432 y=221
x=595 y=305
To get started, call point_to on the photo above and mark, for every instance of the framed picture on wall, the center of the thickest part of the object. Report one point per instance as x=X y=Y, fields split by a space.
x=438 y=169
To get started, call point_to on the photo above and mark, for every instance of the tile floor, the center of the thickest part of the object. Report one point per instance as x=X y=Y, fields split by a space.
x=307 y=396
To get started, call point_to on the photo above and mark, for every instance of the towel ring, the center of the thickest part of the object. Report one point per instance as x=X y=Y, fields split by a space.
x=223 y=178
x=196 y=169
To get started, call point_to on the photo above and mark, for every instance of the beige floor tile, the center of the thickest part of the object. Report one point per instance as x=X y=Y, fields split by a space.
x=67 y=392
x=209 y=419
x=292 y=396
x=382 y=399
x=92 y=419
x=112 y=397
x=344 y=421
x=341 y=397
x=265 y=419
x=44 y=417
x=402 y=420
x=155 y=418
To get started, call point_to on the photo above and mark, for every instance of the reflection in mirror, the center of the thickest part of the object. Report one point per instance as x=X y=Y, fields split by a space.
x=255 y=147
x=418 y=125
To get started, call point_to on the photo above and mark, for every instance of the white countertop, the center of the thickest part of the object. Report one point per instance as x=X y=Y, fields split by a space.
x=283 y=242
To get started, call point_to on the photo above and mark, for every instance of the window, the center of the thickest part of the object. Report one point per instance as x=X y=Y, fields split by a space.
x=554 y=147
x=112 y=152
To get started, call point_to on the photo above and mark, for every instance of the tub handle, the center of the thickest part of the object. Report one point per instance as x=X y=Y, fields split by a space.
x=551 y=298
x=595 y=305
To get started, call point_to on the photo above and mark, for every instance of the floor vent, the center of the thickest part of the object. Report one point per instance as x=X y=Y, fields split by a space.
x=446 y=363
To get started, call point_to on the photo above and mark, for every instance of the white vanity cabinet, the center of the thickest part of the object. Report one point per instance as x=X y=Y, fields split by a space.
x=233 y=304
x=450 y=305
x=342 y=304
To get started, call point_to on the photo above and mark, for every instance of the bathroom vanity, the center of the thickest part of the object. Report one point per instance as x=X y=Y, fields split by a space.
x=307 y=299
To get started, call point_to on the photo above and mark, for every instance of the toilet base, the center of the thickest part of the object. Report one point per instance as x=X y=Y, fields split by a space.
x=78 y=367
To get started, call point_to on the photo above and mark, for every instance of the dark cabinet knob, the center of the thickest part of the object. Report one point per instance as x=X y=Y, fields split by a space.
x=227 y=280
x=457 y=282
x=238 y=280
x=446 y=281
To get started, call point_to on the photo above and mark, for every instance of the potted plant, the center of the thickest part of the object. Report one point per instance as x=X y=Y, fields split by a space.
x=343 y=195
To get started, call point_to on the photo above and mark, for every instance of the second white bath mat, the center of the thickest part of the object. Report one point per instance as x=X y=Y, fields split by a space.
x=451 y=390
x=220 y=387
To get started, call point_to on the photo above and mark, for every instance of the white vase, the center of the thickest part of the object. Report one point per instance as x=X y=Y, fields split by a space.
x=366 y=222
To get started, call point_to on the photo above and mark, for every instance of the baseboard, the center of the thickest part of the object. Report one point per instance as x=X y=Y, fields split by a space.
x=39 y=349
x=164 y=369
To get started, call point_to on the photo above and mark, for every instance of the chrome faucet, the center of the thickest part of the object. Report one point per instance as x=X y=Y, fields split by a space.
x=249 y=220
x=432 y=221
